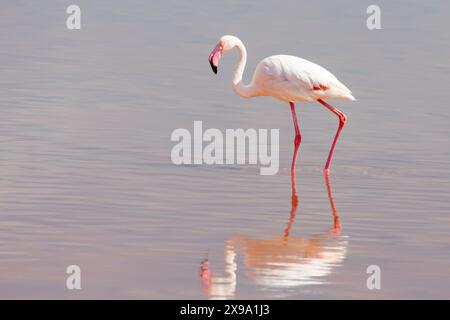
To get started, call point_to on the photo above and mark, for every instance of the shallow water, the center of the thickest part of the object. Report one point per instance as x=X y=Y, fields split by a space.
x=86 y=175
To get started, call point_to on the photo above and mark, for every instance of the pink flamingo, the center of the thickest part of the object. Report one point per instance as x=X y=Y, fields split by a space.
x=289 y=79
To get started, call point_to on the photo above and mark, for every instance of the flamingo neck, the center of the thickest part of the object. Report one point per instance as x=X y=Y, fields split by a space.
x=245 y=91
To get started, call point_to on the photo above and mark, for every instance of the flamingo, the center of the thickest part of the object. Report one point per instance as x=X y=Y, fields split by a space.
x=289 y=79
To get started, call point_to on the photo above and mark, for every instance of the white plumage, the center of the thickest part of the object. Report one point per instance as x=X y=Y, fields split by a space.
x=291 y=79
x=287 y=78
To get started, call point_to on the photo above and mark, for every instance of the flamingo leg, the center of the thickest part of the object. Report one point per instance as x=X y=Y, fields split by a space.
x=298 y=139
x=294 y=198
x=342 y=120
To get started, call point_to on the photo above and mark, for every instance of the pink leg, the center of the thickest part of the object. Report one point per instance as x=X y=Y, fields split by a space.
x=298 y=139
x=294 y=198
x=342 y=120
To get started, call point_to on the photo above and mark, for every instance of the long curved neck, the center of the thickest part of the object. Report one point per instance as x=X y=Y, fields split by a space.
x=245 y=91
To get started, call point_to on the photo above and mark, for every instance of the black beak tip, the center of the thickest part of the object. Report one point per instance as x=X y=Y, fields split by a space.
x=213 y=67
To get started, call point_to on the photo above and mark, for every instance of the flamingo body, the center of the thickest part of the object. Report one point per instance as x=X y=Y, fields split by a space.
x=293 y=79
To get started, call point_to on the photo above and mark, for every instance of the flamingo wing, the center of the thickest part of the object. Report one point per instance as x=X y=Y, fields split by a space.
x=291 y=79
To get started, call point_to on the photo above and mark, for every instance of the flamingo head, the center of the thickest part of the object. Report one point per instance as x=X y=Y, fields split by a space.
x=226 y=43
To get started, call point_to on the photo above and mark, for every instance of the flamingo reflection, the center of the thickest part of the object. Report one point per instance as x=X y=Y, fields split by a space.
x=282 y=262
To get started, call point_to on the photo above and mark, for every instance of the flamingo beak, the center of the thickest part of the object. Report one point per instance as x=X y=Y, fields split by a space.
x=214 y=58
